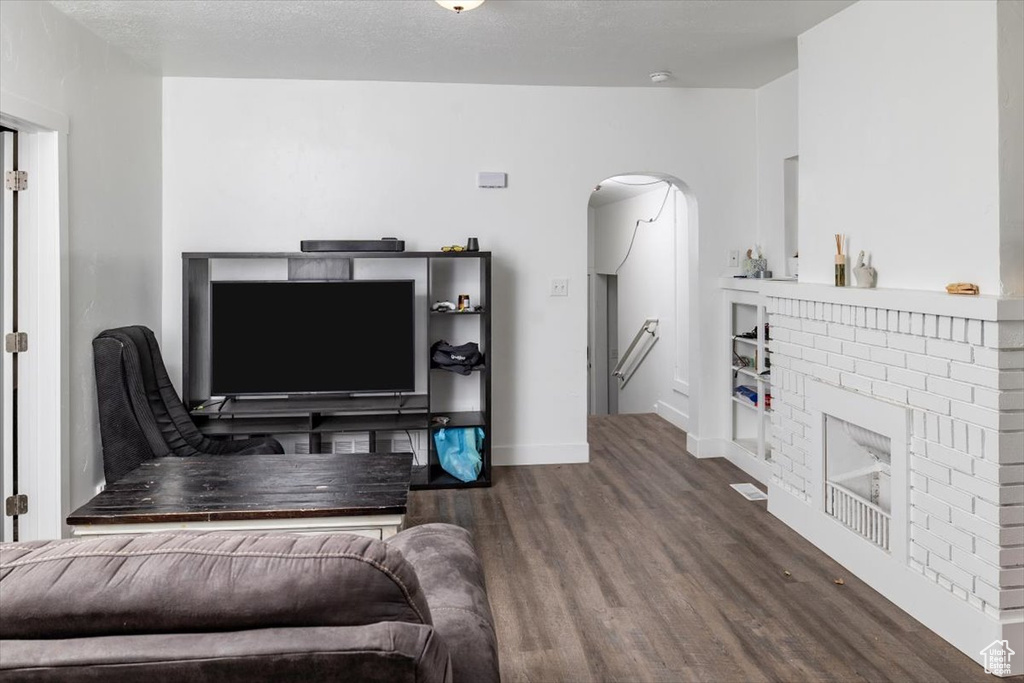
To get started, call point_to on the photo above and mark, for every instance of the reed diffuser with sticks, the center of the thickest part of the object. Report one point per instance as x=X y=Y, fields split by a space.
x=840 y=262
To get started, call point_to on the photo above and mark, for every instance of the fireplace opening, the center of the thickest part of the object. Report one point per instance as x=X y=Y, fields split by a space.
x=858 y=479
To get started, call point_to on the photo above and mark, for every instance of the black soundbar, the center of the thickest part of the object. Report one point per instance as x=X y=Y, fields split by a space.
x=386 y=244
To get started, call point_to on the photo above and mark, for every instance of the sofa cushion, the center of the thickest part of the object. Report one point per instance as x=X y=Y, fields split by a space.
x=388 y=652
x=186 y=583
x=453 y=580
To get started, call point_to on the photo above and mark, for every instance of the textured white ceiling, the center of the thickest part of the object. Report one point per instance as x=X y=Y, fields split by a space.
x=719 y=43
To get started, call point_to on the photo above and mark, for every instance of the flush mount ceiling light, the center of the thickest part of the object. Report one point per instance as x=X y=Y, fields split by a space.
x=460 y=6
x=660 y=76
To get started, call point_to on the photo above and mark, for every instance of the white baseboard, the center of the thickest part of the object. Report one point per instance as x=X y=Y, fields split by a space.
x=705 y=448
x=673 y=415
x=725 y=448
x=954 y=620
x=541 y=454
x=754 y=467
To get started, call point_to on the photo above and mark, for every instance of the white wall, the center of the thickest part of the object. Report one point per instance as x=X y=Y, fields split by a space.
x=898 y=108
x=1010 y=17
x=647 y=288
x=261 y=164
x=777 y=140
x=114 y=175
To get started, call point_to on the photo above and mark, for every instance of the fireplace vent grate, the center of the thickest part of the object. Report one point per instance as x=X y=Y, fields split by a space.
x=858 y=514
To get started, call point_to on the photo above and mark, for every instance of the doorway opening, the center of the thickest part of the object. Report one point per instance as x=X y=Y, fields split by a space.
x=639 y=277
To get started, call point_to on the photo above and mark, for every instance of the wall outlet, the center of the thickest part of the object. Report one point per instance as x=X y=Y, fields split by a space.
x=560 y=286
x=734 y=259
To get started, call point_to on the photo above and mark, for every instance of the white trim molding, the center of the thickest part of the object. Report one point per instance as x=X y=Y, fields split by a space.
x=706 y=447
x=927 y=302
x=731 y=451
x=22 y=114
x=754 y=467
x=541 y=454
x=677 y=417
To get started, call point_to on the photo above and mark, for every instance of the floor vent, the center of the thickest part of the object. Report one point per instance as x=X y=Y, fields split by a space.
x=750 y=492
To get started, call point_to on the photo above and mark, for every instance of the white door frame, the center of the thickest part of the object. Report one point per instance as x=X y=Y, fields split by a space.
x=6 y=359
x=43 y=462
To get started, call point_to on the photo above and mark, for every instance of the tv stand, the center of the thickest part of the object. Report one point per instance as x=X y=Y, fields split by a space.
x=313 y=415
x=439 y=276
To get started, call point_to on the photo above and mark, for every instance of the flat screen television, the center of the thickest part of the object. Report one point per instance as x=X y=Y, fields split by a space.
x=353 y=336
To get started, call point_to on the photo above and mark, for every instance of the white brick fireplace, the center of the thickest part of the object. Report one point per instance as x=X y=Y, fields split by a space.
x=936 y=384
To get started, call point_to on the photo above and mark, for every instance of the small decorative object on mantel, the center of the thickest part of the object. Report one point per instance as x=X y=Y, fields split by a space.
x=756 y=267
x=864 y=273
x=963 y=288
x=840 y=262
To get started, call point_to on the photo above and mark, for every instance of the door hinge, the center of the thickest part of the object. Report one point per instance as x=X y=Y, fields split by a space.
x=16 y=505
x=16 y=181
x=16 y=342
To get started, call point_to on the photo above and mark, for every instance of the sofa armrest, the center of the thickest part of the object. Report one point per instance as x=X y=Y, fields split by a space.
x=452 y=579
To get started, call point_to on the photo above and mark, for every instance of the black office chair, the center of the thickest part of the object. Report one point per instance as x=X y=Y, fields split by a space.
x=141 y=416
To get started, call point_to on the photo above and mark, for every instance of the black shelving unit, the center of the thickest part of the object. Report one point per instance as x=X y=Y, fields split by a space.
x=320 y=415
x=440 y=326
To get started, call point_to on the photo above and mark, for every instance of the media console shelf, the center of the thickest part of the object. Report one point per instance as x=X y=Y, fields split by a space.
x=320 y=416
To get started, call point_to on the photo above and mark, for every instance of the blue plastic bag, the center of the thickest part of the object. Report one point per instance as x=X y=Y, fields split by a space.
x=459 y=451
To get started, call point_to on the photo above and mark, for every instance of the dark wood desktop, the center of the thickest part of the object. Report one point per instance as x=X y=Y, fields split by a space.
x=321 y=493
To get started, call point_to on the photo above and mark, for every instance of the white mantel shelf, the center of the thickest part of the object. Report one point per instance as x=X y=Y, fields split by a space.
x=982 y=307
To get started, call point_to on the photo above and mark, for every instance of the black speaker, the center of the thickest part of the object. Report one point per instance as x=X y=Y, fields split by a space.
x=385 y=244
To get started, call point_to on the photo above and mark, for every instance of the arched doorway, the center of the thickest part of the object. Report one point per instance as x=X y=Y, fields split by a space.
x=641 y=267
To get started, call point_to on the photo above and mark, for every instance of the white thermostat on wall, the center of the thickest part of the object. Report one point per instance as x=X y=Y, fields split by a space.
x=491 y=179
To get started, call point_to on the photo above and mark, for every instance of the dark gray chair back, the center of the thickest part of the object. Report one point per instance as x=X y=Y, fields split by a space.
x=141 y=415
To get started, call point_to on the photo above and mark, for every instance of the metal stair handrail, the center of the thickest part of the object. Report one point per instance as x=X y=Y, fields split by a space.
x=623 y=369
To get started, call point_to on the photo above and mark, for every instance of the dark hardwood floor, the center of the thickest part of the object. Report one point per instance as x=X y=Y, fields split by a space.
x=643 y=565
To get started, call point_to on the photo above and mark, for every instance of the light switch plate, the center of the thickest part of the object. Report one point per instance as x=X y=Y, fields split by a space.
x=734 y=259
x=560 y=286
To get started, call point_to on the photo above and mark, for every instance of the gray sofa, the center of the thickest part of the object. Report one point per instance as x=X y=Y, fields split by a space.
x=235 y=607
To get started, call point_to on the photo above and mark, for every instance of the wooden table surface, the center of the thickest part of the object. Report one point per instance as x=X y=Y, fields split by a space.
x=246 y=487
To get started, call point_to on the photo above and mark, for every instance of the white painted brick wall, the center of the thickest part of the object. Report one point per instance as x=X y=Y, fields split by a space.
x=908 y=378
x=964 y=380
